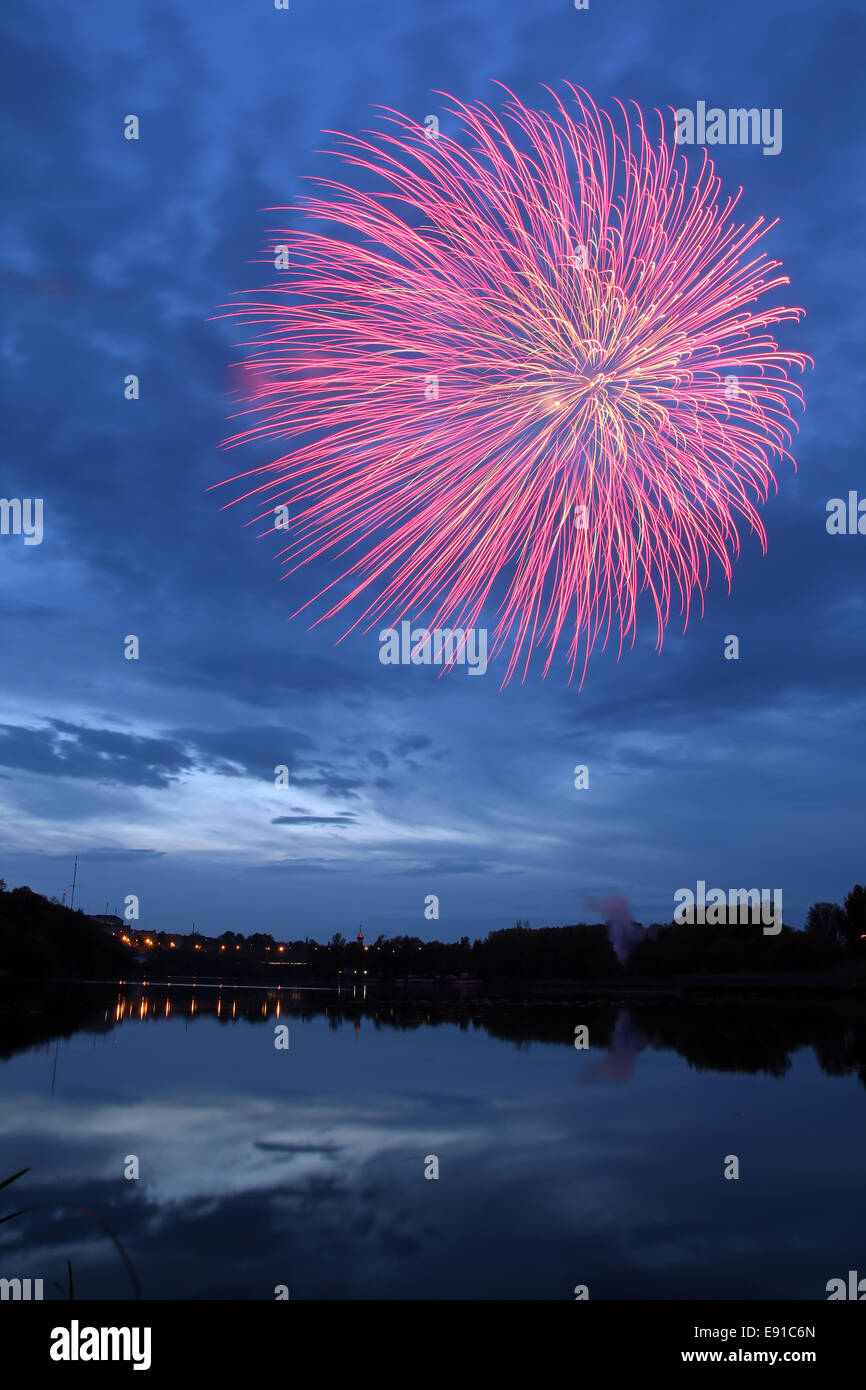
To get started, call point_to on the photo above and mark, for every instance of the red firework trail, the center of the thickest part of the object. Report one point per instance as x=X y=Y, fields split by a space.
x=533 y=357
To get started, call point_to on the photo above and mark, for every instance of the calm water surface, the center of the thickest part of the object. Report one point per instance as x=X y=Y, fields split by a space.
x=305 y=1167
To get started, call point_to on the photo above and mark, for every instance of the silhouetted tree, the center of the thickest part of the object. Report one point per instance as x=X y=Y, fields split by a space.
x=38 y=937
x=827 y=921
x=855 y=912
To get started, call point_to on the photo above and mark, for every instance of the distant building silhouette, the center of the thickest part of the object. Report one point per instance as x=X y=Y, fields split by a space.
x=108 y=920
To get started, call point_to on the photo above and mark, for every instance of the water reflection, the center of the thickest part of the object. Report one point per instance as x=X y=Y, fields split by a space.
x=557 y=1166
x=749 y=1036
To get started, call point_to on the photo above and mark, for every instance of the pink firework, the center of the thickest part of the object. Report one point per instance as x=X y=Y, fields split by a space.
x=530 y=366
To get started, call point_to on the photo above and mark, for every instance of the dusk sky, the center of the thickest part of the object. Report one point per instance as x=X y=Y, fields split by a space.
x=159 y=773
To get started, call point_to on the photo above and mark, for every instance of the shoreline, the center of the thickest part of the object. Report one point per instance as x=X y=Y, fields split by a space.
x=848 y=981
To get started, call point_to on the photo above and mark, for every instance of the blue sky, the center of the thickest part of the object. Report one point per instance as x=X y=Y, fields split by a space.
x=159 y=773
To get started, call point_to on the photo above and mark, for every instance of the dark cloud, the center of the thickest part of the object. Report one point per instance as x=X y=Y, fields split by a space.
x=329 y=781
x=99 y=755
x=118 y=855
x=329 y=1150
x=346 y=819
x=252 y=751
x=412 y=743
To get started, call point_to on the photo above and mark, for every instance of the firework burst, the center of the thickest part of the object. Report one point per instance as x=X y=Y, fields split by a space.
x=530 y=365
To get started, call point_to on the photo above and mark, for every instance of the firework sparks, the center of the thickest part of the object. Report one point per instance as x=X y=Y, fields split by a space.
x=532 y=366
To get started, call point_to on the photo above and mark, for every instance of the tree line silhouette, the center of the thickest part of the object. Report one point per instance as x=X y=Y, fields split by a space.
x=40 y=937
